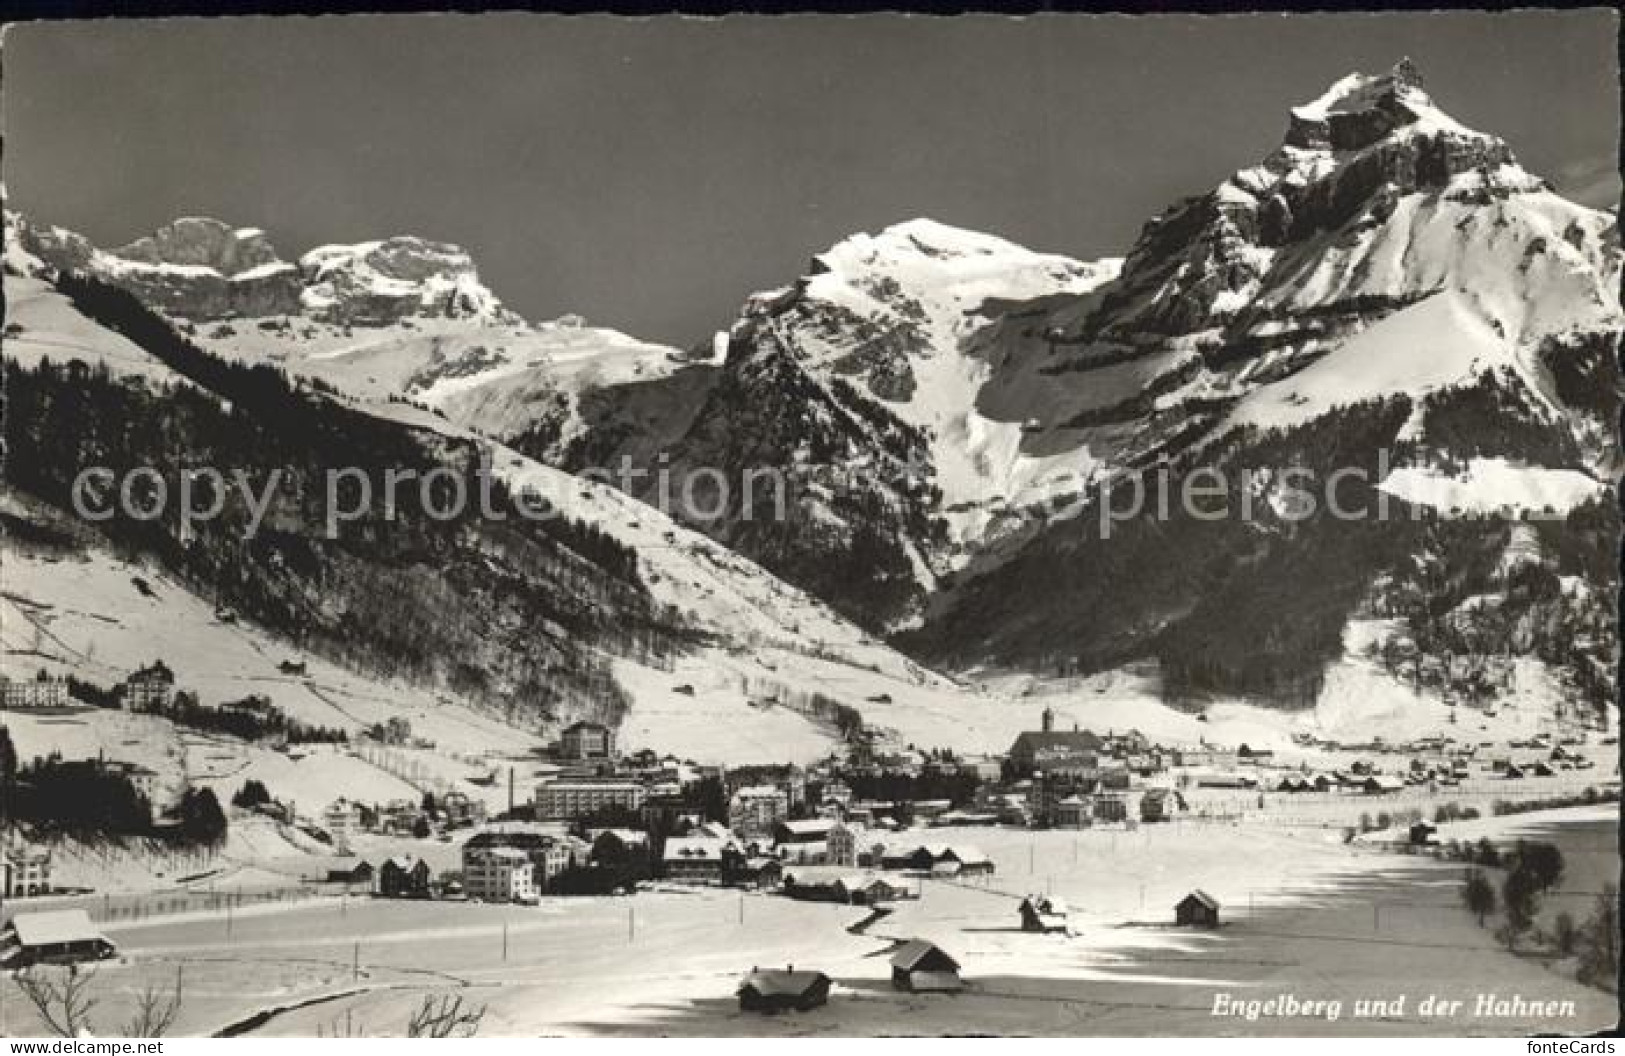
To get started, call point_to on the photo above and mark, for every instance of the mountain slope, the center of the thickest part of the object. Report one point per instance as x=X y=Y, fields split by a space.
x=602 y=609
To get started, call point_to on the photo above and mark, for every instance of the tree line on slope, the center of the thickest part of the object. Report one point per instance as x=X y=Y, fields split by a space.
x=515 y=613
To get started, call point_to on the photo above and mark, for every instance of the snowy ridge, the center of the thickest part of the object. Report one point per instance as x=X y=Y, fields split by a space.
x=385 y=319
x=1384 y=250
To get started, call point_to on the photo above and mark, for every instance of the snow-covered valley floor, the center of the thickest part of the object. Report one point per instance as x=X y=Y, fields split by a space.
x=1304 y=914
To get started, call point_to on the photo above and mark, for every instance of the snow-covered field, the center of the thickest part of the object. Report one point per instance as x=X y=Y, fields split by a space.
x=48 y=326
x=1491 y=485
x=1304 y=914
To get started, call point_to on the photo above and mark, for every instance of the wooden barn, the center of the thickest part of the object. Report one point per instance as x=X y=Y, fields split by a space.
x=1197 y=910
x=351 y=871
x=867 y=890
x=62 y=936
x=922 y=967
x=782 y=990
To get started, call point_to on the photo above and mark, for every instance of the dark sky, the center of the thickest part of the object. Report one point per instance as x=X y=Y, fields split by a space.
x=650 y=174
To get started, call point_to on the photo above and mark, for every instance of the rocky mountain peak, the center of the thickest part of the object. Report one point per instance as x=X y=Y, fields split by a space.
x=375 y=283
x=203 y=269
x=33 y=248
x=195 y=241
x=1362 y=108
x=1353 y=163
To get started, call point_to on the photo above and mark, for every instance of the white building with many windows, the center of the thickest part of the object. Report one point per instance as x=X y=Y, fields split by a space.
x=580 y=798
x=499 y=874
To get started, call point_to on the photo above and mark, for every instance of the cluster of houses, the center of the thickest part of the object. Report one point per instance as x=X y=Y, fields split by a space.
x=519 y=861
x=1049 y=778
x=398 y=876
x=1446 y=769
x=345 y=819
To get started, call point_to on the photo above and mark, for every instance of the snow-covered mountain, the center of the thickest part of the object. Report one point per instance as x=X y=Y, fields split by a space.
x=858 y=385
x=891 y=313
x=401 y=318
x=1378 y=210
x=1388 y=291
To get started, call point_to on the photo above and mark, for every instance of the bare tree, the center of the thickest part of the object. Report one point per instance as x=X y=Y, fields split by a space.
x=155 y=1010
x=445 y=1017
x=62 y=997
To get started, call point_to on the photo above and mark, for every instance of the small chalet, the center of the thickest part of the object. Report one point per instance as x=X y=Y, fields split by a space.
x=62 y=936
x=694 y=860
x=404 y=877
x=1381 y=785
x=761 y=872
x=923 y=967
x=964 y=859
x=1197 y=910
x=905 y=857
x=782 y=990
x=354 y=872
x=1043 y=913
x=867 y=890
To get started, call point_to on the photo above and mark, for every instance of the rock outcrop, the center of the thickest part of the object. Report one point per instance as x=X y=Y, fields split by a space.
x=199 y=269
